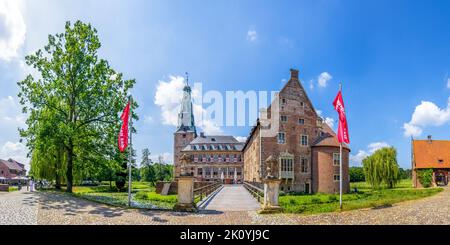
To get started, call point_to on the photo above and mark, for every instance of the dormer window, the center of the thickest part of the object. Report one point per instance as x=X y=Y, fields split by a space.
x=440 y=161
x=213 y=139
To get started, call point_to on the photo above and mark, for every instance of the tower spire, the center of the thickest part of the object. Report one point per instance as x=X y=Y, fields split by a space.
x=186 y=114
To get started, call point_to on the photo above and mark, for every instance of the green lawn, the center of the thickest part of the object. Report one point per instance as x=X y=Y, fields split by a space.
x=365 y=198
x=143 y=196
x=13 y=188
x=364 y=186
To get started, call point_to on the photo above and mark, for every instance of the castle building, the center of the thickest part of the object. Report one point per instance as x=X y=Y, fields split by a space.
x=434 y=155
x=212 y=158
x=305 y=150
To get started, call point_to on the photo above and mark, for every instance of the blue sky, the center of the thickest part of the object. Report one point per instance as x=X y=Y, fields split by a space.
x=393 y=58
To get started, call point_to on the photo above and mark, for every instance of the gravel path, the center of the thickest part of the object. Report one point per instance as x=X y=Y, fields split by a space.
x=18 y=208
x=21 y=208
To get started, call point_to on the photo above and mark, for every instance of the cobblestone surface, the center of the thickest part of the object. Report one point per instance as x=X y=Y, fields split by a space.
x=63 y=209
x=18 y=208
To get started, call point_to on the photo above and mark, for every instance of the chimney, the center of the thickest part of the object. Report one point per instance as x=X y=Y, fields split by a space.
x=429 y=139
x=202 y=134
x=294 y=73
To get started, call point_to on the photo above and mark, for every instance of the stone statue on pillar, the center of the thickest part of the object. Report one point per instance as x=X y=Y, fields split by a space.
x=185 y=160
x=271 y=188
x=185 y=187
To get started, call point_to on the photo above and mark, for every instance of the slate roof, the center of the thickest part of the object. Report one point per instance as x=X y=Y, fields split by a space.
x=214 y=143
x=328 y=138
x=431 y=154
x=11 y=164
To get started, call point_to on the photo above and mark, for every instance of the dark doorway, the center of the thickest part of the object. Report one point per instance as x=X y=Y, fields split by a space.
x=441 y=179
x=307 y=190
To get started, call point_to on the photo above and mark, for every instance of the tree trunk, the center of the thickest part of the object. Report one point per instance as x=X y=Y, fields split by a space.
x=57 y=167
x=69 y=173
x=57 y=181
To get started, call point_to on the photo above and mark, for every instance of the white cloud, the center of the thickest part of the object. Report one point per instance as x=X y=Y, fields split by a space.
x=322 y=80
x=327 y=120
x=319 y=113
x=252 y=35
x=330 y=122
x=166 y=157
x=241 y=138
x=311 y=84
x=210 y=128
x=10 y=112
x=373 y=147
x=411 y=130
x=16 y=151
x=426 y=114
x=12 y=29
x=168 y=97
x=356 y=160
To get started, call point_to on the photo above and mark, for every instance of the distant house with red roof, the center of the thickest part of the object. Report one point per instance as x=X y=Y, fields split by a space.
x=11 y=169
x=431 y=154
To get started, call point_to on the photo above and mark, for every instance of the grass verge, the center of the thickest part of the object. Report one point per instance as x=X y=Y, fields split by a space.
x=364 y=198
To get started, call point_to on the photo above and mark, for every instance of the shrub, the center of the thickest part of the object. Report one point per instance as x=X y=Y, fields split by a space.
x=425 y=177
x=315 y=200
x=357 y=174
x=143 y=195
x=332 y=198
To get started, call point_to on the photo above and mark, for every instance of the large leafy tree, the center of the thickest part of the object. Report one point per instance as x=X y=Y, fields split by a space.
x=381 y=168
x=78 y=97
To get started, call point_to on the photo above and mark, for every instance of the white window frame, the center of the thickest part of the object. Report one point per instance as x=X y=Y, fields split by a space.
x=336 y=157
x=286 y=165
x=284 y=138
x=334 y=177
x=283 y=117
x=303 y=121
x=301 y=140
x=301 y=165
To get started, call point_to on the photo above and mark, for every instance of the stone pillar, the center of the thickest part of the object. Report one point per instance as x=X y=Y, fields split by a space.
x=271 y=193
x=186 y=195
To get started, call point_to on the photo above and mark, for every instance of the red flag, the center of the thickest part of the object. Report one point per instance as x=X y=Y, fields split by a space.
x=342 y=128
x=123 y=134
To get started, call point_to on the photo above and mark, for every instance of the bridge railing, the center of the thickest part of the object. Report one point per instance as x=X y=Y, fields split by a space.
x=256 y=191
x=204 y=191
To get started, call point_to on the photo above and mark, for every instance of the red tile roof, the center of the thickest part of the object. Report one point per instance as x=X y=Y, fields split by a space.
x=11 y=164
x=431 y=154
x=328 y=138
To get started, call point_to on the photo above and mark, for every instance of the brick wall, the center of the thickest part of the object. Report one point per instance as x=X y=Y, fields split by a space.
x=323 y=170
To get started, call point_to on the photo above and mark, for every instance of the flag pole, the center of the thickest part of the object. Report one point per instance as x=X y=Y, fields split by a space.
x=130 y=126
x=340 y=164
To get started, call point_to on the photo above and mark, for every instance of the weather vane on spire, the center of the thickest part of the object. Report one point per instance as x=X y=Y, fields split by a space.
x=187 y=78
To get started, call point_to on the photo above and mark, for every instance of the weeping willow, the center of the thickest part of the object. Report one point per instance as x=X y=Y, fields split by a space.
x=381 y=168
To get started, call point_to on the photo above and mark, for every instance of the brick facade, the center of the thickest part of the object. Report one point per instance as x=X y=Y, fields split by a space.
x=304 y=150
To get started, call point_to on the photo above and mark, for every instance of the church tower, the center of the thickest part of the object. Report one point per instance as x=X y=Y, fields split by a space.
x=186 y=131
